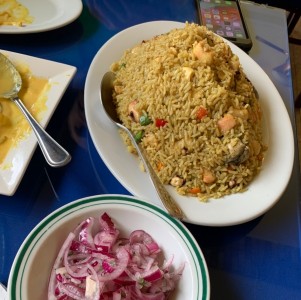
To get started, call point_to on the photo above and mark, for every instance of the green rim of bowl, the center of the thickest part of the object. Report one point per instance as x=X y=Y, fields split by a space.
x=27 y=244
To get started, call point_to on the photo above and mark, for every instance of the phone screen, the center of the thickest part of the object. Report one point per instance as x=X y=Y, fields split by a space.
x=223 y=18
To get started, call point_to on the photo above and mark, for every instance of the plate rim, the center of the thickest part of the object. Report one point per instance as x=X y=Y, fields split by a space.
x=75 y=6
x=24 y=251
x=245 y=217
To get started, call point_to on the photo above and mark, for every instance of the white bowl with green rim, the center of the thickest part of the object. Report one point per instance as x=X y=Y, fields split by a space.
x=32 y=265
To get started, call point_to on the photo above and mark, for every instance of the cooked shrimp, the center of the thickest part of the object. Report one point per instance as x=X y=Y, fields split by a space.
x=226 y=123
x=208 y=177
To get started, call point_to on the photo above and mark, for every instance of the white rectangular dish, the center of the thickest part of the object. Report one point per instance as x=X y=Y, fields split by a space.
x=18 y=158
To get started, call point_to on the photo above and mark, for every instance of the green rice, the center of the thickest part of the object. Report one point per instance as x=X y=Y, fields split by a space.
x=185 y=84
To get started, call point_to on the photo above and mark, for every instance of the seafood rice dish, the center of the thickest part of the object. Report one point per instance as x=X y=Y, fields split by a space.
x=185 y=97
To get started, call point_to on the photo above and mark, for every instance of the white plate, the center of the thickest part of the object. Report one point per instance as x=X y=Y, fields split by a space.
x=47 y=15
x=262 y=193
x=18 y=158
x=42 y=245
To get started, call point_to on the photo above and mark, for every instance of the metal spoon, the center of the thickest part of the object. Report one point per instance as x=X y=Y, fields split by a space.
x=109 y=107
x=55 y=155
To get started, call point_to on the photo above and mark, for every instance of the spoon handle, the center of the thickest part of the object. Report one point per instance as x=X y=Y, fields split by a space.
x=55 y=155
x=169 y=203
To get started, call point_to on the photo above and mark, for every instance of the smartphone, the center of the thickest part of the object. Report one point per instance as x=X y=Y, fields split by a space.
x=224 y=17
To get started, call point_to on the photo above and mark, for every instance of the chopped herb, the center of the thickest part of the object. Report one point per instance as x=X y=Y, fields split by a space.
x=122 y=65
x=141 y=282
x=145 y=120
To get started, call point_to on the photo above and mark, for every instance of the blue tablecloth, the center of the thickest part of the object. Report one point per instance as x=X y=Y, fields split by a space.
x=256 y=260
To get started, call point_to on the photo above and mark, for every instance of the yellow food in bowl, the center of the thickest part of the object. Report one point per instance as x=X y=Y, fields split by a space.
x=14 y=13
x=13 y=125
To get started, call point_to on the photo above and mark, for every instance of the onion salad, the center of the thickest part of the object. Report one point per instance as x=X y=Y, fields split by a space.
x=105 y=265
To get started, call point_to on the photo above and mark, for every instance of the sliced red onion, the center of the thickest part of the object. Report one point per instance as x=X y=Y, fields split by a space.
x=84 y=232
x=140 y=236
x=72 y=291
x=108 y=267
x=57 y=264
x=123 y=258
x=154 y=275
x=105 y=240
x=106 y=222
x=107 y=237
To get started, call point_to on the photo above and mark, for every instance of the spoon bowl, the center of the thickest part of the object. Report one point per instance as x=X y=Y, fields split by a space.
x=109 y=107
x=10 y=85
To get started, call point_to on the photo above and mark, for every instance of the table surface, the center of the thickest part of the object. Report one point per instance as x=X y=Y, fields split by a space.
x=256 y=260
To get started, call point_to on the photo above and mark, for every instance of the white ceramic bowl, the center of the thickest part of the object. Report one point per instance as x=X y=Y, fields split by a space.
x=32 y=265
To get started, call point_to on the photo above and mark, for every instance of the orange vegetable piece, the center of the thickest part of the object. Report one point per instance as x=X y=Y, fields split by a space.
x=160 y=166
x=195 y=190
x=201 y=113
